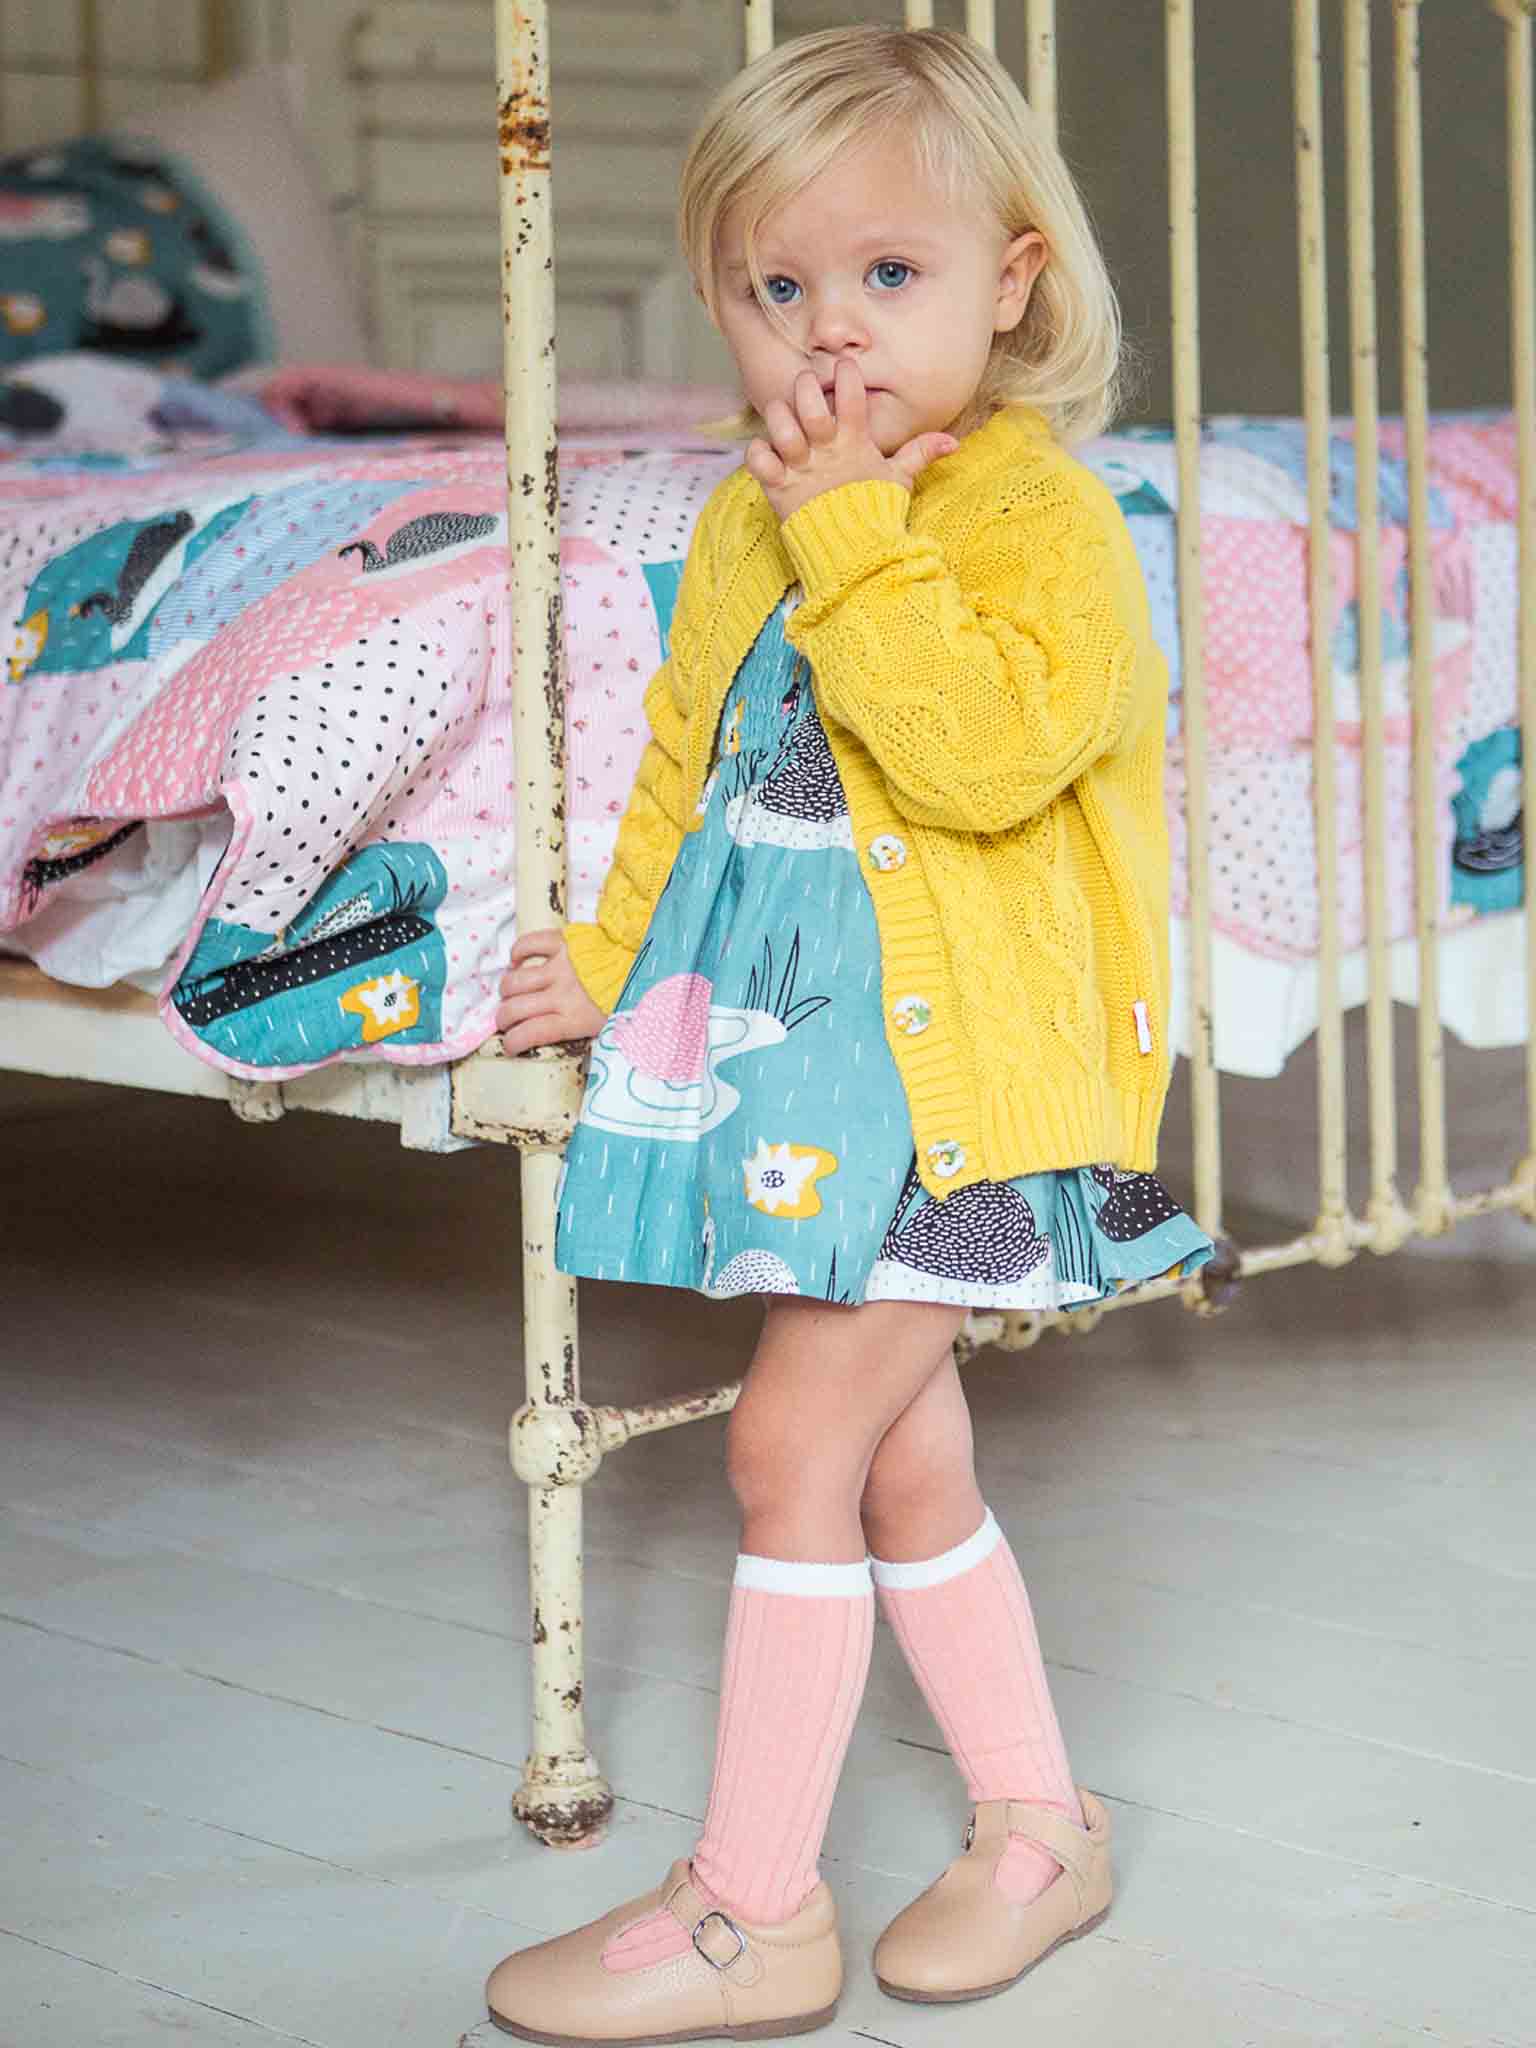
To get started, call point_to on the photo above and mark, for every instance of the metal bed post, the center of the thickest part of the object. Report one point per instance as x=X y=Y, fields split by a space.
x=1334 y=1244
x=1183 y=209
x=1432 y=1196
x=1389 y=1221
x=1041 y=80
x=563 y=1797
x=1517 y=16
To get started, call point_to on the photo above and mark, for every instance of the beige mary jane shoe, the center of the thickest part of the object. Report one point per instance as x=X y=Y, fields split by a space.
x=735 y=1982
x=963 y=1938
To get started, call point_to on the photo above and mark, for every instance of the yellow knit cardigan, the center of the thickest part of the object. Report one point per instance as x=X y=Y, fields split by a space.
x=983 y=662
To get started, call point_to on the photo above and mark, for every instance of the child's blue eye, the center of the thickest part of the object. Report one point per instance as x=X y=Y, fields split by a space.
x=771 y=285
x=882 y=274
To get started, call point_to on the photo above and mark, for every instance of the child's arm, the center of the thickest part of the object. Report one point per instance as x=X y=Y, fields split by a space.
x=983 y=688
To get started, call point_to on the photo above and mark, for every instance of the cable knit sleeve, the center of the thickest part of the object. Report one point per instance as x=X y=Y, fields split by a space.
x=982 y=687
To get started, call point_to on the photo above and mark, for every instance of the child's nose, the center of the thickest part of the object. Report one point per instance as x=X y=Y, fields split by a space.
x=836 y=326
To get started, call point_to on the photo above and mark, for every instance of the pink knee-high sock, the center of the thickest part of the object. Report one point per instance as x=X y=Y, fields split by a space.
x=965 y=1625
x=797 y=1647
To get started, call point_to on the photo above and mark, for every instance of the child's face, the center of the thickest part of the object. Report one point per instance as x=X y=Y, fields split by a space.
x=871 y=261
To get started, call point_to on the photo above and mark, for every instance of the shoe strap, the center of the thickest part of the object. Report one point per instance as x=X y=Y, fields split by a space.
x=1071 y=1845
x=714 y=1934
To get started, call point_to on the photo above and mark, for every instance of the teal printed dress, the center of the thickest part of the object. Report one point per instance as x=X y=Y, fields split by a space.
x=744 y=1128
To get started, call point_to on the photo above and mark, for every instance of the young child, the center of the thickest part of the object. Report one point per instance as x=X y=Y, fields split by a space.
x=877 y=986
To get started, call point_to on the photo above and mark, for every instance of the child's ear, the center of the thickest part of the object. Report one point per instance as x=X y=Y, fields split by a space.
x=1023 y=260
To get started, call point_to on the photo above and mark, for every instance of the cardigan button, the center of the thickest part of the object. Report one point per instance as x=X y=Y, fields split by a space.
x=912 y=1015
x=946 y=1159
x=887 y=852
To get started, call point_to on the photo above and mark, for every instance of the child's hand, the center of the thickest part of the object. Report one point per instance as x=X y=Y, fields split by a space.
x=542 y=1002
x=809 y=451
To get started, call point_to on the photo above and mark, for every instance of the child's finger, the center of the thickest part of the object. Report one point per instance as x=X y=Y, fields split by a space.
x=516 y=1009
x=762 y=463
x=537 y=945
x=815 y=414
x=852 y=395
x=520 y=981
x=785 y=432
x=526 y=1036
x=915 y=455
x=523 y=1034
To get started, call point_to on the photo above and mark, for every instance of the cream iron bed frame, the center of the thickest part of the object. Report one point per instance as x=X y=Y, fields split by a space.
x=558 y=1441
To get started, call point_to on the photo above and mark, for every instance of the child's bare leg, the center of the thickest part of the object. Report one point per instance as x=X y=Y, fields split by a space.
x=824 y=1387
x=920 y=1495
x=948 y=1583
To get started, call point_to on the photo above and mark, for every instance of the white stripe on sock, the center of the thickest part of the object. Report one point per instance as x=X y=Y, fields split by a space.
x=816 y=1581
x=949 y=1564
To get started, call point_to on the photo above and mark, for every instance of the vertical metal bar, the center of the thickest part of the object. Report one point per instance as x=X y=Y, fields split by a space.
x=219 y=39
x=561 y=1795
x=1390 y=1223
x=1522 y=289
x=1042 y=62
x=919 y=13
x=1433 y=1193
x=981 y=22
x=758 y=28
x=88 y=14
x=1332 y=1220
x=1183 y=210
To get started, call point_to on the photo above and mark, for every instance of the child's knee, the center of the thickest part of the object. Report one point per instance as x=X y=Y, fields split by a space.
x=772 y=1457
x=907 y=1479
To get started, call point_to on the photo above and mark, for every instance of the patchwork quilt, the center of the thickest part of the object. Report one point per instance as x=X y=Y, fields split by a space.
x=256 y=738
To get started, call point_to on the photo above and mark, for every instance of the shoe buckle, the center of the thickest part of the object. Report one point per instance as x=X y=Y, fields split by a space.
x=725 y=1921
x=970 y=1831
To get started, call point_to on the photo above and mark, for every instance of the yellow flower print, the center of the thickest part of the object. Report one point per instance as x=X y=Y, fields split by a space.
x=22 y=312
x=388 y=1003
x=781 y=1179
x=27 y=643
x=129 y=245
x=731 y=743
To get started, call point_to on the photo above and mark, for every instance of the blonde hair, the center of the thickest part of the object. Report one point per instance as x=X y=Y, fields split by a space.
x=783 y=120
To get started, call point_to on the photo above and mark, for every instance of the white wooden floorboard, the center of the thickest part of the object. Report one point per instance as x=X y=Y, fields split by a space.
x=266 y=1568
x=54 y=1997
x=294 y=1943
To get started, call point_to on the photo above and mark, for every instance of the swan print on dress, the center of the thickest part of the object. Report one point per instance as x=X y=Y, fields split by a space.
x=655 y=1068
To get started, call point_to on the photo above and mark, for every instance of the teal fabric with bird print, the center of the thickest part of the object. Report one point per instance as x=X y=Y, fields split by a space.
x=744 y=1128
x=110 y=244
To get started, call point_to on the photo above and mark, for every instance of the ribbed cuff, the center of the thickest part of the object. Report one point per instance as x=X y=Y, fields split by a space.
x=810 y=1581
x=949 y=1564
x=602 y=967
x=833 y=535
